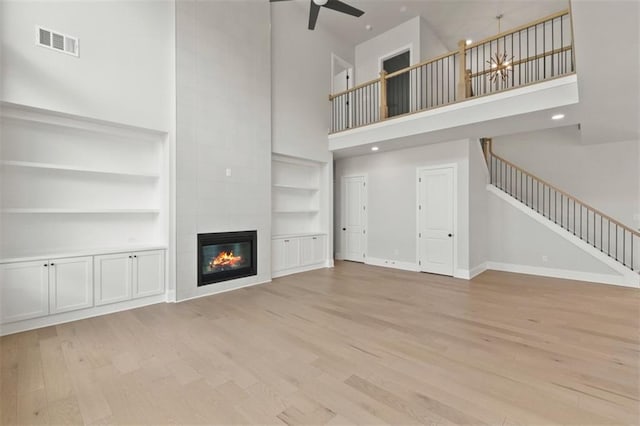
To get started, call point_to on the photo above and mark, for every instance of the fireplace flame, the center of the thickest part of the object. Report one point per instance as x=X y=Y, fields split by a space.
x=225 y=258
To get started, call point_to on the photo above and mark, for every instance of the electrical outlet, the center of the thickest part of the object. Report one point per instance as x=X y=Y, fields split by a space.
x=545 y=258
x=228 y=172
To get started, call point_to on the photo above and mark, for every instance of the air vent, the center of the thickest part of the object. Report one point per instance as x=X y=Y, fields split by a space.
x=56 y=41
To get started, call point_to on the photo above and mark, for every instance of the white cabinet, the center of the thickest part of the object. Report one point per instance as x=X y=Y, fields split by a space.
x=148 y=273
x=44 y=287
x=24 y=290
x=112 y=278
x=291 y=254
x=123 y=276
x=312 y=249
x=70 y=284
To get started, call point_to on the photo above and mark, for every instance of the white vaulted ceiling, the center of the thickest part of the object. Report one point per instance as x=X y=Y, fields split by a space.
x=452 y=20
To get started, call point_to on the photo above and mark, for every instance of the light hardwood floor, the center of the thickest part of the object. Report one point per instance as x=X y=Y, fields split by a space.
x=356 y=344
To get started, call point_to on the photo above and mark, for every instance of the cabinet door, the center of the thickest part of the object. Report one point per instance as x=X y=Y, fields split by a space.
x=112 y=278
x=307 y=250
x=291 y=253
x=277 y=255
x=312 y=249
x=148 y=273
x=319 y=249
x=70 y=284
x=24 y=290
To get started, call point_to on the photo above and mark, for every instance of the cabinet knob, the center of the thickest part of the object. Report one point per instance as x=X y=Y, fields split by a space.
x=135 y=255
x=130 y=257
x=344 y=229
x=53 y=264
x=45 y=265
x=286 y=241
x=315 y=238
x=450 y=235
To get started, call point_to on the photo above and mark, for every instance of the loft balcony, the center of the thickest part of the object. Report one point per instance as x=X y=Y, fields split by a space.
x=523 y=72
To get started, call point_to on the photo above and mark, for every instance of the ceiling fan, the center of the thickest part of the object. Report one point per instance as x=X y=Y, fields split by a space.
x=336 y=5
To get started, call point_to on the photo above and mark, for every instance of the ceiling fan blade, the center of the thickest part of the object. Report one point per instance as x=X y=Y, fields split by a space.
x=313 y=15
x=344 y=8
x=273 y=1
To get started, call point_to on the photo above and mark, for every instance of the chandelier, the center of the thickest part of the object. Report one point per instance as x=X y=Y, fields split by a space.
x=500 y=63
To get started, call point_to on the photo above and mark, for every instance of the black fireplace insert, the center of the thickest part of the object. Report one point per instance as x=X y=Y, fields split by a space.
x=225 y=256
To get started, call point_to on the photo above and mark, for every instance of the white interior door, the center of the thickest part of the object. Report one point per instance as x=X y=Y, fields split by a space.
x=354 y=218
x=436 y=220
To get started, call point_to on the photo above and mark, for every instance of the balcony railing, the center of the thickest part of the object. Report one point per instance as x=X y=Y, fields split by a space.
x=535 y=52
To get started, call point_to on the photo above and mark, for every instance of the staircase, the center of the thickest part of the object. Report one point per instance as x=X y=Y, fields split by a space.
x=590 y=225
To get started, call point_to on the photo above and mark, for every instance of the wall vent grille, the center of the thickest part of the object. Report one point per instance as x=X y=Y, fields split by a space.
x=57 y=41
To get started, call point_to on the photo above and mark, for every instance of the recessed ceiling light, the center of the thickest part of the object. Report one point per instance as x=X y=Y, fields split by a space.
x=374 y=148
x=403 y=9
x=558 y=117
x=368 y=27
x=468 y=41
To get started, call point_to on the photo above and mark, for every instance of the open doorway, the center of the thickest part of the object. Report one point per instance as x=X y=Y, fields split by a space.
x=342 y=80
x=397 y=87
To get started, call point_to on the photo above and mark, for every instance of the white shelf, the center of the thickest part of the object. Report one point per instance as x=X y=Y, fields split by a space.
x=57 y=254
x=295 y=187
x=301 y=234
x=309 y=211
x=50 y=166
x=79 y=211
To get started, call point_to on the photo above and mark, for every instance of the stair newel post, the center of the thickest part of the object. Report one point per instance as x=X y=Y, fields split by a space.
x=461 y=92
x=384 y=109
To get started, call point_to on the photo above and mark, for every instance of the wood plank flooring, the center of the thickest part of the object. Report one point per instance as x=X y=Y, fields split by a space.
x=351 y=345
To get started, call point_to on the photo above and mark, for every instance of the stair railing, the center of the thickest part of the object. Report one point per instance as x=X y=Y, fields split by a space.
x=596 y=228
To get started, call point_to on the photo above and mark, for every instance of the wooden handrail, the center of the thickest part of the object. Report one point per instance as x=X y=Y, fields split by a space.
x=455 y=52
x=525 y=60
x=354 y=88
x=569 y=196
x=421 y=64
x=520 y=28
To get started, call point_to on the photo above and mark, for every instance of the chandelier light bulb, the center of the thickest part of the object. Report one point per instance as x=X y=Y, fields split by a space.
x=320 y=2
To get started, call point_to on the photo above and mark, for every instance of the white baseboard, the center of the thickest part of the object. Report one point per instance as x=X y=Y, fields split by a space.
x=285 y=272
x=329 y=263
x=339 y=256
x=55 y=319
x=566 y=274
x=468 y=274
x=171 y=296
x=395 y=264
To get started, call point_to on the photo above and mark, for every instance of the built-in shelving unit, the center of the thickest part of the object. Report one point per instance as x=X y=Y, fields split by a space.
x=66 y=168
x=77 y=184
x=300 y=214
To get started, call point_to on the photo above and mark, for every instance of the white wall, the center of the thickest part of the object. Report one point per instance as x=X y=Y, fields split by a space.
x=125 y=69
x=478 y=207
x=392 y=198
x=370 y=53
x=301 y=82
x=607 y=176
x=430 y=45
x=519 y=243
x=223 y=121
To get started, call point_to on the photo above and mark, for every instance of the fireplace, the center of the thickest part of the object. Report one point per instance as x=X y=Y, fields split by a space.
x=225 y=256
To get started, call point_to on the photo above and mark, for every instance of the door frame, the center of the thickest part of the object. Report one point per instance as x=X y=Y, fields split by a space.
x=365 y=219
x=453 y=166
x=337 y=60
x=407 y=48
